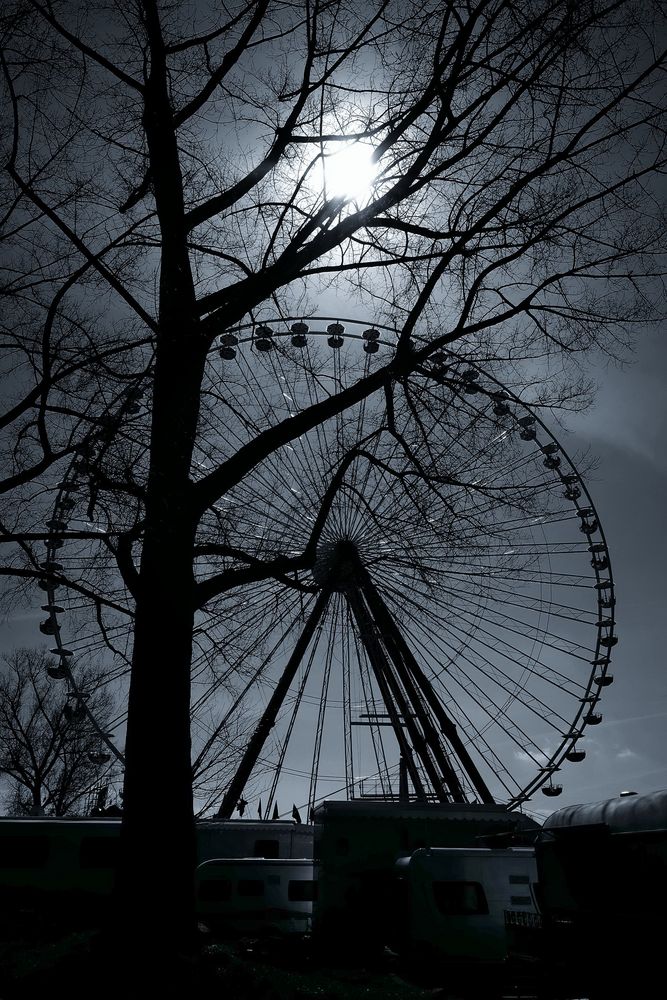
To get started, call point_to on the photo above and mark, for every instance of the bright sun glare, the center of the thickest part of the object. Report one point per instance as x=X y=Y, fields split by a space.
x=350 y=172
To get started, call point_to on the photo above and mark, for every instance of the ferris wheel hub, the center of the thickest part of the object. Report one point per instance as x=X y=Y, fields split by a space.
x=337 y=565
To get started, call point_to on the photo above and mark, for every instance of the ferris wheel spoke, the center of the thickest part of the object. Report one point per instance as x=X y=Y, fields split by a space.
x=264 y=726
x=297 y=700
x=252 y=685
x=514 y=655
x=488 y=707
x=263 y=604
x=346 y=678
x=499 y=717
x=371 y=705
x=555 y=608
x=500 y=618
x=510 y=597
x=432 y=639
x=267 y=404
x=301 y=454
x=510 y=687
x=319 y=726
x=547 y=672
x=496 y=766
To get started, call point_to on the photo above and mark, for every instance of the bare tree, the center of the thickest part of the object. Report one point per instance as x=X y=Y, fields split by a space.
x=170 y=174
x=50 y=754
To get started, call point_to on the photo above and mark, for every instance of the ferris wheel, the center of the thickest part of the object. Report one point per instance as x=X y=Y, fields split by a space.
x=446 y=634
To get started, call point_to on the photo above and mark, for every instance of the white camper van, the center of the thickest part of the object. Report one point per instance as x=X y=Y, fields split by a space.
x=255 y=895
x=457 y=903
x=69 y=863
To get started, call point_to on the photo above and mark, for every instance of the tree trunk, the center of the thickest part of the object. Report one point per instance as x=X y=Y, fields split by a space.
x=156 y=886
x=37 y=808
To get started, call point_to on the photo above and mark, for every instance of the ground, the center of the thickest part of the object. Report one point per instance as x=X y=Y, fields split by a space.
x=42 y=955
x=39 y=958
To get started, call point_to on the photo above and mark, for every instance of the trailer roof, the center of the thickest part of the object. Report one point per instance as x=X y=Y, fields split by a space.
x=359 y=807
x=624 y=814
x=338 y=809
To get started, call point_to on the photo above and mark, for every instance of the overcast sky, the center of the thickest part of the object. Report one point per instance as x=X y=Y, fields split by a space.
x=626 y=430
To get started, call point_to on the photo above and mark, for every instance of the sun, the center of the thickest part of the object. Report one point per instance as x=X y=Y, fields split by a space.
x=350 y=172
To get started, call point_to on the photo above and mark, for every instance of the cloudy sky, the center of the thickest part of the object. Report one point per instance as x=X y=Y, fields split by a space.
x=626 y=430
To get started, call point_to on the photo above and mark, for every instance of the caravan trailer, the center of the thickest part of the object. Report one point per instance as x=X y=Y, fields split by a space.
x=357 y=844
x=256 y=895
x=454 y=905
x=603 y=883
x=70 y=863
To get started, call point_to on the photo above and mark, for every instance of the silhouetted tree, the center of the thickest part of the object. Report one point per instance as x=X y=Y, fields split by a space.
x=164 y=182
x=51 y=758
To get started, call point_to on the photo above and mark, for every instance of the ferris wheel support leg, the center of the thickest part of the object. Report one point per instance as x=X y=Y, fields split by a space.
x=382 y=674
x=424 y=740
x=448 y=779
x=388 y=625
x=427 y=742
x=266 y=723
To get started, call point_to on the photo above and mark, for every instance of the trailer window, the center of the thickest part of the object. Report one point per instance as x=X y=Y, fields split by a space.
x=99 y=852
x=24 y=852
x=215 y=890
x=458 y=899
x=251 y=887
x=266 y=849
x=302 y=890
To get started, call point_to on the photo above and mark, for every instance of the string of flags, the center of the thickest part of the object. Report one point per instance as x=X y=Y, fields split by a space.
x=296 y=815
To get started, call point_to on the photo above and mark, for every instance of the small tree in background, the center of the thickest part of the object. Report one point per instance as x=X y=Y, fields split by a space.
x=50 y=754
